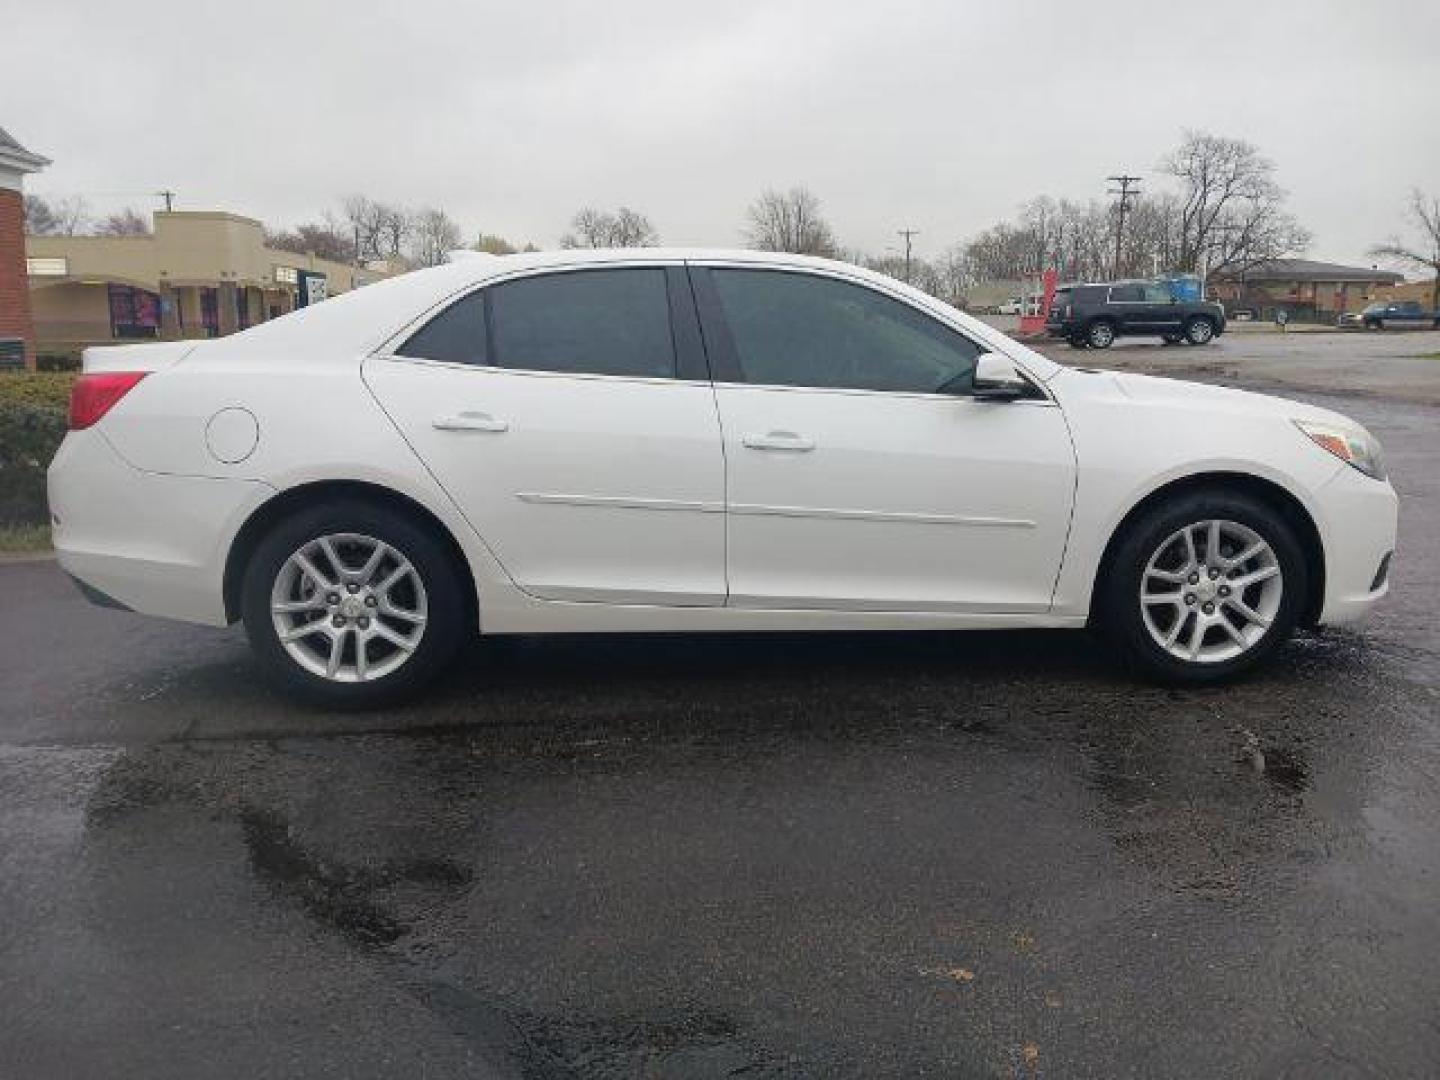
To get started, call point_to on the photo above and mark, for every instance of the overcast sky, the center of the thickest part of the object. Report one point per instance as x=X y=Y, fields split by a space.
x=938 y=115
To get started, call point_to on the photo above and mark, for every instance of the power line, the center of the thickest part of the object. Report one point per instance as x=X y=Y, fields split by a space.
x=1128 y=189
x=907 y=234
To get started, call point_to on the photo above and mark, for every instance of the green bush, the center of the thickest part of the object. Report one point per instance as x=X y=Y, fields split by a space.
x=36 y=388
x=32 y=423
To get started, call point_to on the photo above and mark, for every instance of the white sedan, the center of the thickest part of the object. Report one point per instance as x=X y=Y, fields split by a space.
x=693 y=441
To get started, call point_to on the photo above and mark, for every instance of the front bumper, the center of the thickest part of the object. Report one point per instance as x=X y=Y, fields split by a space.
x=150 y=542
x=1360 y=516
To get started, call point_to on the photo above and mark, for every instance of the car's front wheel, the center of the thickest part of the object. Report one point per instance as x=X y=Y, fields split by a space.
x=1204 y=586
x=1199 y=331
x=350 y=604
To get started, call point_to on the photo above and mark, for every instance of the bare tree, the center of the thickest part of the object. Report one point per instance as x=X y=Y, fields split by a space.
x=433 y=234
x=126 y=222
x=40 y=219
x=953 y=275
x=789 y=221
x=397 y=226
x=328 y=238
x=381 y=230
x=494 y=245
x=591 y=228
x=633 y=229
x=63 y=217
x=1424 y=213
x=1231 y=210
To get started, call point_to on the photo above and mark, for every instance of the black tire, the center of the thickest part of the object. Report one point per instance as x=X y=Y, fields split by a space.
x=445 y=587
x=1199 y=331
x=1100 y=334
x=1119 y=605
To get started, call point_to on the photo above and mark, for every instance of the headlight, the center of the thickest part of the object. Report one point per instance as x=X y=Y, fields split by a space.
x=1352 y=445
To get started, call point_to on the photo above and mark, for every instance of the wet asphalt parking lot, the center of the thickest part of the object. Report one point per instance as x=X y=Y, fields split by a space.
x=855 y=855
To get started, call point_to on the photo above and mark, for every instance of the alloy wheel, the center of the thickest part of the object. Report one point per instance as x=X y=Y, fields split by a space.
x=1101 y=335
x=348 y=607
x=1211 y=591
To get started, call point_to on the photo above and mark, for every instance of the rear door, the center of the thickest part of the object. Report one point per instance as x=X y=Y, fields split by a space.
x=1161 y=312
x=569 y=415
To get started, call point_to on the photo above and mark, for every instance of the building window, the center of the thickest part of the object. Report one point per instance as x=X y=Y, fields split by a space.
x=134 y=313
x=242 y=308
x=210 y=310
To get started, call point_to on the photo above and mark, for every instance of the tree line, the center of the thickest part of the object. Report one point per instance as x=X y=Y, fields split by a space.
x=1217 y=209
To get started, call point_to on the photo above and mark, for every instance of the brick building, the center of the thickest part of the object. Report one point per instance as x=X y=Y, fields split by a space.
x=1308 y=291
x=17 y=331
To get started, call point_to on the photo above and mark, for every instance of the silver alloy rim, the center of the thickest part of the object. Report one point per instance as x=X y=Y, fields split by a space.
x=1200 y=332
x=348 y=608
x=1210 y=591
x=1101 y=334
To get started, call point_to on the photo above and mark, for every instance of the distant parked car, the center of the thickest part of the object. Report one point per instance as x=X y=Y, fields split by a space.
x=1399 y=315
x=1349 y=319
x=1093 y=316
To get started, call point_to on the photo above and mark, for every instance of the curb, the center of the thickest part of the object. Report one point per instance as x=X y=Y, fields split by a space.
x=8 y=557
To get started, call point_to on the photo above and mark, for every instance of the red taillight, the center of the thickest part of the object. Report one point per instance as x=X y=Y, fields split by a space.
x=95 y=395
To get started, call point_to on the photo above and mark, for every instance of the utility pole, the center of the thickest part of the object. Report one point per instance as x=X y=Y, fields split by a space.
x=169 y=197
x=907 y=234
x=1129 y=189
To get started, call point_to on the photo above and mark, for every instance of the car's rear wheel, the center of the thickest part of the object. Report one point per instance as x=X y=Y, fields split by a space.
x=1204 y=586
x=350 y=604
x=1100 y=334
x=1199 y=331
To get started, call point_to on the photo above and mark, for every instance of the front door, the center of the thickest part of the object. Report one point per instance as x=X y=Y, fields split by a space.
x=564 y=415
x=862 y=474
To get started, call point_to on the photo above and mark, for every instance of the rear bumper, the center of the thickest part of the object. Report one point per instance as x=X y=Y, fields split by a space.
x=1360 y=519
x=145 y=541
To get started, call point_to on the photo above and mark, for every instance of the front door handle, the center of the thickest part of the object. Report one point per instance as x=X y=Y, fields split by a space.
x=470 y=421
x=779 y=440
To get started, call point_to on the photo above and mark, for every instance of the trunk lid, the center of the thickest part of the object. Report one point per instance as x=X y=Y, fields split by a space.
x=150 y=356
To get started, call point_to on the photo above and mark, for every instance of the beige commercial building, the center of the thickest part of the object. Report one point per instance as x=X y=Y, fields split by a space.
x=197 y=274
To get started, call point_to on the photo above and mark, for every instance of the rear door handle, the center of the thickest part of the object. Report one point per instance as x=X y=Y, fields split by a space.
x=470 y=421
x=779 y=440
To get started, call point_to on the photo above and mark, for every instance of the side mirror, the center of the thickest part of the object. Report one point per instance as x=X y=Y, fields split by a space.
x=998 y=379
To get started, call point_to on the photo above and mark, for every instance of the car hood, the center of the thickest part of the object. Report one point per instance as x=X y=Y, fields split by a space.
x=1204 y=397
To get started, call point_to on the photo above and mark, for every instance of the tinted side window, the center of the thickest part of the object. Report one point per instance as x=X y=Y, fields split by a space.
x=1126 y=294
x=802 y=330
x=456 y=335
x=1157 y=294
x=598 y=322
